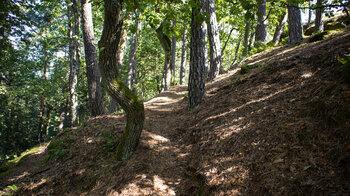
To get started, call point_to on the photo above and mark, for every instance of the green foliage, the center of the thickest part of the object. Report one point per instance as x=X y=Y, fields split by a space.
x=60 y=145
x=345 y=68
x=110 y=141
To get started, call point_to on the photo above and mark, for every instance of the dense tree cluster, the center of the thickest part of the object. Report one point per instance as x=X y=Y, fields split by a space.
x=53 y=75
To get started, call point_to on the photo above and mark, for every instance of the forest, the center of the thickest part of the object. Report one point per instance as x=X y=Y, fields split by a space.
x=175 y=97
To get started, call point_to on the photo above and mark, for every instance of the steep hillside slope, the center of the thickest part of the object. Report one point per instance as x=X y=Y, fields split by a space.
x=280 y=129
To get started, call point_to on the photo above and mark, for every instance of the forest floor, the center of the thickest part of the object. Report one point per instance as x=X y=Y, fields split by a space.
x=283 y=128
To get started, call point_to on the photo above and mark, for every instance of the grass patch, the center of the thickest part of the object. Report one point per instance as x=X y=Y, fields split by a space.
x=60 y=145
x=318 y=36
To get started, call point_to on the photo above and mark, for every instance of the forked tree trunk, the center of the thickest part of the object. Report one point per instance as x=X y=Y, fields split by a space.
x=261 y=33
x=74 y=58
x=319 y=24
x=183 y=55
x=214 y=42
x=132 y=104
x=295 y=27
x=196 y=86
x=279 y=29
x=92 y=70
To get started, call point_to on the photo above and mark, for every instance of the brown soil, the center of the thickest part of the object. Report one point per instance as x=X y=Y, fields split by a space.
x=282 y=129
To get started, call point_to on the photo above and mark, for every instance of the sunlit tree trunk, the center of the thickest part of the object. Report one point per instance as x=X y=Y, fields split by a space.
x=132 y=105
x=261 y=33
x=92 y=70
x=132 y=61
x=279 y=28
x=74 y=58
x=295 y=27
x=319 y=24
x=173 y=56
x=214 y=42
x=196 y=86
x=183 y=56
x=205 y=40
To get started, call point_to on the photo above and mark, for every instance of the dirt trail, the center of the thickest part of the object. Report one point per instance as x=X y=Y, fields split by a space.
x=281 y=129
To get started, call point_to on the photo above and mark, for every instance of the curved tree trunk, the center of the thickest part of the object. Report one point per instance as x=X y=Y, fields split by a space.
x=183 y=56
x=295 y=27
x=74 y=18
x=214 y=42
x=261 y=33
x=196 y=86
x=279 y=29
x=92 y=70
x=319 y=24
x=132 y=104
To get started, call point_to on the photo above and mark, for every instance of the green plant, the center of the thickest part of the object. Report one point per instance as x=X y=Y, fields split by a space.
x=246 y=69
x=318 y=36
x=110 y=141
x=345 y=68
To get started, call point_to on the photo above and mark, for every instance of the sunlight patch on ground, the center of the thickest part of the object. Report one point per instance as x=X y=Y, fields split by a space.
x=160 y=185
x=307 y=75
x=160 y=99
x=248 y=103
x=23 y=175
x=154 y=138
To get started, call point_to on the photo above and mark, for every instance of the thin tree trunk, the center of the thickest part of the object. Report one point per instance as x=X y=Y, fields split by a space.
x=132 y=104
x=173 y=56
x=132 y=61
x=42 y=101
x=214 y=42
x=183 y=56
x=92 y=71
x=228 y=38
x=196 y=86
x=310 y=14
x=113 y=106
x=237 y=50
x=261 y=33
x=74 y=18
x=279 y=28
x=251 y=40
x=246 y=38
x=319 y=24
x=47 y=123
x=295 y=27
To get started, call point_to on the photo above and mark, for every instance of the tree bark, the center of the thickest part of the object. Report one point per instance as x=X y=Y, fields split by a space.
x=295 y=27
x=132 y=61
x=310 y=14
x=261 y=33
x=319 y=24
x=214 y=42
x=279 y=29
x=246 y=38
x=196 y=85
x=42 y=100
x=237 y=50
x=183 y=55
x=132 y=104
x=74 y=58
x=205 y=40
x=92 y=71
x=166 y=45
x=173 y=56
x=113 y=106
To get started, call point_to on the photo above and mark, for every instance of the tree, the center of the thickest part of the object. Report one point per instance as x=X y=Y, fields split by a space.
x=196 y=86
x=183 y=55
x=131 y=103
x=279 y=28
x=214 y=42
x=92 y=70
x=246 y=38
x=74 y=56
x=173 y=55
x=319 y=26
x=294 y=20
x=132 y=62
x=261 y=33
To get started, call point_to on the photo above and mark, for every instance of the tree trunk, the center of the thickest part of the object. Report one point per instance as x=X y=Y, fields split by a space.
x=113 y=106
x=310 y=14
x=132 y=105
x=92 y=71
x=279 y=29
x=205 y=40
x=246 y=38
x=74 y=58
x=261 y=33
x=183 y=56
x=214 y=42
x=237 y=50
x=166 y=45
x=319 y=24
x=196 y=86
x=295 y=27
x=173 y=56
x=42 y=99
x=132 y=62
